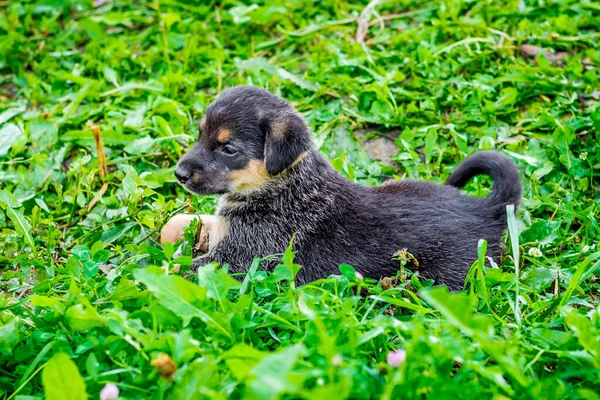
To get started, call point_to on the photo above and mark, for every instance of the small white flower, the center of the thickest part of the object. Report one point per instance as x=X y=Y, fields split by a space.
x=583 y=156
x=535 y=252
x=109 y=392
x=358 y=275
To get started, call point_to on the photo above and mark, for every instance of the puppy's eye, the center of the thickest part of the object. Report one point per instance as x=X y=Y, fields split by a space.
x=229 y=150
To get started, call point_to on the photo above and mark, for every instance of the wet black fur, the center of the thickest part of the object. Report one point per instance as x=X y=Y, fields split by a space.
x=335 y=220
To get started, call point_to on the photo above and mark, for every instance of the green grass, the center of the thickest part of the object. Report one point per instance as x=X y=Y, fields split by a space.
x=86 y=299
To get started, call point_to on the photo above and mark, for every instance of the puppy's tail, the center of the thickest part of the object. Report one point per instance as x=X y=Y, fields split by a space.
x=506 y=188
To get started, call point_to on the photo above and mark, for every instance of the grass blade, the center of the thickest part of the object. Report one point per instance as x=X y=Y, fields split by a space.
x=514 y=241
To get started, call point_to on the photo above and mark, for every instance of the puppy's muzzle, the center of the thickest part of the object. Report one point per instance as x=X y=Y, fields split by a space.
x=183 y=173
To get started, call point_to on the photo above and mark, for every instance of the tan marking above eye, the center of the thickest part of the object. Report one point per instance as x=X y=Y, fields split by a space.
x=203 y=124
x=253 y=176
x=224 y=135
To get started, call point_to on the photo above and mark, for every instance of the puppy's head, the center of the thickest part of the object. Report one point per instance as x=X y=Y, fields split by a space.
x=247 y=136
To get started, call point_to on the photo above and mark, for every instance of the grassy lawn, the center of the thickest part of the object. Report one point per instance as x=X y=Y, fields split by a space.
x=86 y=299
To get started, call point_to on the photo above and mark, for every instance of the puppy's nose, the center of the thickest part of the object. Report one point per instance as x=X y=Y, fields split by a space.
x=183 y=173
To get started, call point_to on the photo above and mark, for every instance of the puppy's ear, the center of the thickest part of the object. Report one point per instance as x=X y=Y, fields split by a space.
x=286 y=138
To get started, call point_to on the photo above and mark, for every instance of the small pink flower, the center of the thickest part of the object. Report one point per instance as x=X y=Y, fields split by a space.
x=358 y=275
x=109 y=392
x=396 y=358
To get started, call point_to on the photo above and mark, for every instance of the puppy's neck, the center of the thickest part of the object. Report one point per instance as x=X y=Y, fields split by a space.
x=307 y=177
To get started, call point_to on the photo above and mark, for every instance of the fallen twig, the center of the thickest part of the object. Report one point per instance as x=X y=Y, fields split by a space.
x=98 y=197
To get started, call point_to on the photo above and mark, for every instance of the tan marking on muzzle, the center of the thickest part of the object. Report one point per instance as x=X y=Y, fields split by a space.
x=253 y=176
x=196 y=178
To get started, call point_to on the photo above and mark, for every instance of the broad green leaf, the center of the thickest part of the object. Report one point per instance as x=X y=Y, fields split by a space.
x=130 y=86
x=240 y=13
x=549 y=338
x=82 y=253
x=241 y=359
x=272 y=374
x=542 y=232
x=544 y=170
x=595 y=117
x=62 y=380
x=21 y=223
x=90 y=269
x=116 y=232
x=101 y=256
x=110 y=75
x=182 y=297
x=45 y=301
x=540 y=277
x=260 y=63
x=457 y=308
x=125 y=289
x=348 y=271
x=588 y=394
x=587 y=335
x=198 y=377
x=9 y=133
x=43 y=134
x=10 y=335
x=135 y=118
x=83 y=317
x=185 y=347
x=430 y=143
x=216 y=281
x=145 y=145
x=10 y=113
x=7 y=198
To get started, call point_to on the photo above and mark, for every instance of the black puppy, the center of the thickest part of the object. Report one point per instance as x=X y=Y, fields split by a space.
x=256 y=150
